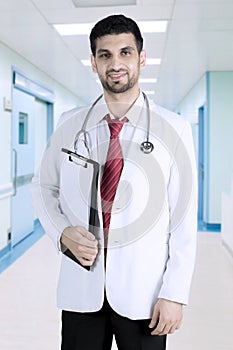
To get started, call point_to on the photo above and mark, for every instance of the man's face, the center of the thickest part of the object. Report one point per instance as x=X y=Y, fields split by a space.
x=117 y=62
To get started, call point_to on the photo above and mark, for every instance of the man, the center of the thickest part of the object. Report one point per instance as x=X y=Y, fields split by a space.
x=141 y=250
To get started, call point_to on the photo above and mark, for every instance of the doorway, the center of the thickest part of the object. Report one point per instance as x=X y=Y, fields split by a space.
x=201 y=160
x=23 y=146
x=32 y=125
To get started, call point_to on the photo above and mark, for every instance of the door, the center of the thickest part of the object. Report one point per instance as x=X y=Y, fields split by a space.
x=41 y=131
x=23 y=149
x=200 y=164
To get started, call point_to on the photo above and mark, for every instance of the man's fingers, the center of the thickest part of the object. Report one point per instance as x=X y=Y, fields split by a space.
x=169 y=316
x=86 y=238
x=88 y=243
x=80 y=235
x=84 y=254
x=173 y=329
x=81 y=243
x=86 y=262
x=155 y=318
x=85 y=233
x=159 y=328
x=87 y=250
x=164 y=328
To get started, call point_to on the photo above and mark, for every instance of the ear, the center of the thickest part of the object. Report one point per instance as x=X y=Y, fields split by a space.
x=93 y=64
x=142 y=58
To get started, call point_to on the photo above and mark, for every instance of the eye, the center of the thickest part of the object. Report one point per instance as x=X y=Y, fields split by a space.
x=126 y=53
x=104 y=55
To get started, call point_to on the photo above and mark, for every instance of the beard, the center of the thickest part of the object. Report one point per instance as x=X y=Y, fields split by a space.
x=116 y=87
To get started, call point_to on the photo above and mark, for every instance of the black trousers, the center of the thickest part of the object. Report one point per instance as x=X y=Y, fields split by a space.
x=94 y=331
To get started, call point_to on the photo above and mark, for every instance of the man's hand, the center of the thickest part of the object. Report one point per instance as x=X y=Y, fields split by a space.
x=81 y=243
x=167 y=317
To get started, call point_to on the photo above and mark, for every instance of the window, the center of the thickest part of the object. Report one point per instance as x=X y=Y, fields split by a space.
x=23 y=128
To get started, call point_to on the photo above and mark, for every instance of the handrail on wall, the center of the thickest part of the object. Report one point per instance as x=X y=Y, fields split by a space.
x=6 y=190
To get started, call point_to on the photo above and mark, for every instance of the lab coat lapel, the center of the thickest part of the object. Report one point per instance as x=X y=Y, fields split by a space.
x=134 y=176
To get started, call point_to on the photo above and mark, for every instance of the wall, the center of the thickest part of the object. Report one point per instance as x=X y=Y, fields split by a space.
x=189 y=107
x=215 y=91
x=195 y=98
x=41 y=131
x=64 y=100
x=220 y=85
x=227 y=219
x=190 y=104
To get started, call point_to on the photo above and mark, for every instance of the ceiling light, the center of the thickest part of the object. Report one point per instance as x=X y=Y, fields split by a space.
x=85 y=28
x=149 y=92
x=97 y=3
x=151 y=61
x=152 y=26
x=74 y=29
x=147 y=80
x=86 y=62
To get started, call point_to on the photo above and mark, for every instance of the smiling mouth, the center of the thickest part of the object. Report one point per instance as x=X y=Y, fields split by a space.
x=117 y=76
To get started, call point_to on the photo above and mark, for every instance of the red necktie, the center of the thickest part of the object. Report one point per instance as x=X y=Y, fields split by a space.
x=112 y=170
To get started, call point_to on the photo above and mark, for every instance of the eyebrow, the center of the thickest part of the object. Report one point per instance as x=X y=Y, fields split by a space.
x=102 y=50
x=128 y=48
x=122 y=49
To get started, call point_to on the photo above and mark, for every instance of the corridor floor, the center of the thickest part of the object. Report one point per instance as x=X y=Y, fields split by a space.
x=29 y=319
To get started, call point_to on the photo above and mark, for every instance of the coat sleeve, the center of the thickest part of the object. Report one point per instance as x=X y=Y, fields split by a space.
x=45 y=191
x=182 y=196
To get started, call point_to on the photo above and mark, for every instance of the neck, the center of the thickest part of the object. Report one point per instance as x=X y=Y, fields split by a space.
x=119 y=104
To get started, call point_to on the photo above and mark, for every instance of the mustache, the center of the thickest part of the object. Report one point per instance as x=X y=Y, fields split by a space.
x=116 y=71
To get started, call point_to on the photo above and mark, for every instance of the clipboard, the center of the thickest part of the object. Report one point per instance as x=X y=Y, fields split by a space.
x=93 y=214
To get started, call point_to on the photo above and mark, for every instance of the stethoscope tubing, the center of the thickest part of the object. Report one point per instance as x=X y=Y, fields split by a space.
x=146 y=146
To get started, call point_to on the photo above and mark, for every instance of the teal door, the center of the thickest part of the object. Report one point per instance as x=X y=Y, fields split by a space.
x=23 y=153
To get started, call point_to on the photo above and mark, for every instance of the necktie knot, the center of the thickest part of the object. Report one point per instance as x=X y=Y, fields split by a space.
x=115 y=125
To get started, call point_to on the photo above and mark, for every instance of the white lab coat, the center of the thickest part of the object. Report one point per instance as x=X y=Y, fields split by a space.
x=152 y=236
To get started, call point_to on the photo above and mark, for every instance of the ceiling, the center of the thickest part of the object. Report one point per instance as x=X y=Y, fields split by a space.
x=199 y=38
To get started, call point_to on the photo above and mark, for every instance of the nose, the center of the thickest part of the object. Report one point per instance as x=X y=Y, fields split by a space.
x=116 y=63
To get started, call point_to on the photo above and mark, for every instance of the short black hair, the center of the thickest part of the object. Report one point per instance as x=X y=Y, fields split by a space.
x=115 y=24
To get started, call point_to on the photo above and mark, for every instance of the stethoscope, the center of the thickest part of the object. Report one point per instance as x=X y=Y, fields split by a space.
x=146 y=146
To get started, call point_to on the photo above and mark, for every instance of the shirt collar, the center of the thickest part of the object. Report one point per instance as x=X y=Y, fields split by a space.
x=133 y=113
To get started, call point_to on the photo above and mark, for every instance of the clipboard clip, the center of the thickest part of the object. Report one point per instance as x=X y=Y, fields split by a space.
x=78 y=159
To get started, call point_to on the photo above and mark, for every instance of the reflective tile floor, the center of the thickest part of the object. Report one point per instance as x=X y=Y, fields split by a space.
x=29 y=319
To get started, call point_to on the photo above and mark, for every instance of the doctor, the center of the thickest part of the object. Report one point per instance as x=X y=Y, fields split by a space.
x=133 y=271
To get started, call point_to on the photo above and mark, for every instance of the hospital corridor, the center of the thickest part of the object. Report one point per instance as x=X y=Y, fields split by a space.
x=51 y=64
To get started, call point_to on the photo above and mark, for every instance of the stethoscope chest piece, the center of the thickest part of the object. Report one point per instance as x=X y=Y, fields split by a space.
x=146 y=147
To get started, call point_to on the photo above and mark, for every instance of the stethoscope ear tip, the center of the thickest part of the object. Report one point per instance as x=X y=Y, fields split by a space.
x=146 y=147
